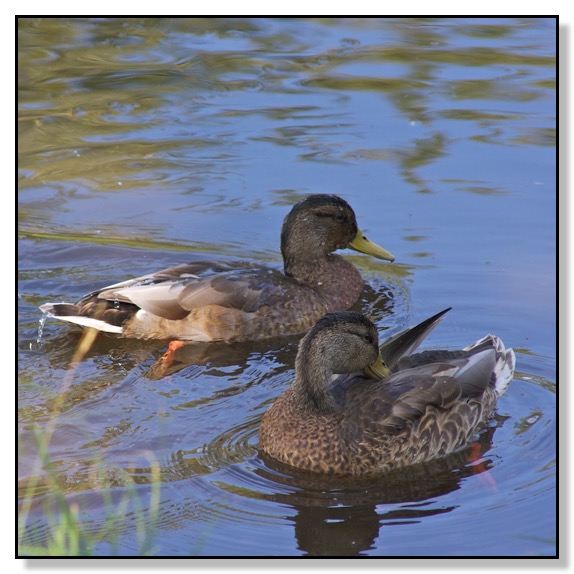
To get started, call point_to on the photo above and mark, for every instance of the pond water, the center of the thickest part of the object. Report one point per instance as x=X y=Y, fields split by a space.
x=144 y=143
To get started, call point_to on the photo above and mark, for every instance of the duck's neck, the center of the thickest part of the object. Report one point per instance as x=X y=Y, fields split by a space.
x=312 y=380
x=334 y=278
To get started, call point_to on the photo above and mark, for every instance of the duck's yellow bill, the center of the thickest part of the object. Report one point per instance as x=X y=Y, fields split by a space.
x=362 y=244
x=378 y=370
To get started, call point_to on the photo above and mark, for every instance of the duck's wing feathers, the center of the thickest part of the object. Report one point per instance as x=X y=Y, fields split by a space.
x=172 y=293
x=456 y=357
x=502 y=371
x=438 y=383
x=405 y=342
x=406 y=396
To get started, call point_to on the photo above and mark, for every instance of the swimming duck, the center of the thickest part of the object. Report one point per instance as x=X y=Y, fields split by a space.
x=420 y=407
x=239 y=301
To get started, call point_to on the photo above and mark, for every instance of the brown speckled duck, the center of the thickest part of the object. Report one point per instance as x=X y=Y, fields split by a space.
x=239 y=301
x=421 y=406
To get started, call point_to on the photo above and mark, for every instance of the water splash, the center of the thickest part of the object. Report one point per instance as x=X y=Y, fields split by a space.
x=41 y=323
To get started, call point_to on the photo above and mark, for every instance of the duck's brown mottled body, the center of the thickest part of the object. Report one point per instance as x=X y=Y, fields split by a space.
x=413 y=415
x=349 y=441
x=238 y=301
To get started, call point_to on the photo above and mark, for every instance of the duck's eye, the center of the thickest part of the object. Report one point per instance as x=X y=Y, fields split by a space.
x=340 y=217
x=368 y=338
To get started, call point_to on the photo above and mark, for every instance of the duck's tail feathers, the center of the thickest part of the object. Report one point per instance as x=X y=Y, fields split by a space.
x=404 y=342
x=69 y=313
x=503 y=371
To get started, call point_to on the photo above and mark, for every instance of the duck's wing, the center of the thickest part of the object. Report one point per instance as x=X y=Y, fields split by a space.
x=502 y=371
x=405 y=396
x=404 y=342
x=172 y=293
x=412 y=391
x=431 y=356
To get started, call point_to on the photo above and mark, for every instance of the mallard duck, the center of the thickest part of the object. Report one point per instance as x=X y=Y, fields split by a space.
x=419 y=408
x=239 y=301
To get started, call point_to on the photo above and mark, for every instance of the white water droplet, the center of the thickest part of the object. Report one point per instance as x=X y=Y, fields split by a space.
x=41 y=323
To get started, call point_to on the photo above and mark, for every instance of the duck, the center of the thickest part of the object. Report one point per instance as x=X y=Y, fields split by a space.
x=357 y=408
x=234 y=301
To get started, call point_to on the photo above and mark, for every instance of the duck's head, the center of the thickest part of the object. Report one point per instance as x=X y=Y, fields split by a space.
x=339 y=343
x=321 y=224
